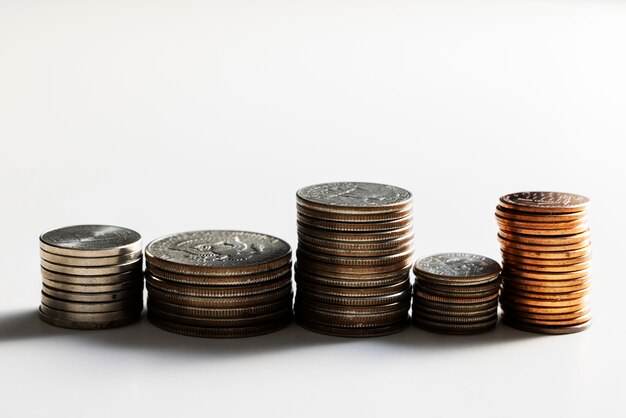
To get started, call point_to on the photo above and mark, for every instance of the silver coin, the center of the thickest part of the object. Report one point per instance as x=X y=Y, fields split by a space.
x=108 y=279
x=103 y=297
x=90 y=261
x=91 y=271
x=90 y=307
x=82 y=325
x=218 y=252
x=355 y=195
x=90 y=317
x=457 y=265
x=93 y=288
x=90 y=241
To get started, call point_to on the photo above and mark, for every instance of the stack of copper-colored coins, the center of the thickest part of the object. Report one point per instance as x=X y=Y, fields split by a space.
x=546 y=252
x=220 y=284
x=92 y=276
x=355 y=245
x=456 y=293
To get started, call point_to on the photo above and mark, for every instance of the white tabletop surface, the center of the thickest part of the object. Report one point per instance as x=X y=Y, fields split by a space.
x=167 y=116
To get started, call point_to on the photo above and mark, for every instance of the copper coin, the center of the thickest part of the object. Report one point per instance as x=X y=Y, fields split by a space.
x=550 y=202
x=353 y=332
x=545 y=329
x=547 y=283
x=358 y=246
x=221 y=302
x=352 y=283
x=85 y=325
x=218 y=332
x=355 y=237
x=507 y=245
x=341 y=253
x=510 y=272
x=354 y=292
x=562 y=316
x=546 y=289
x=509 y=223
x=569 y=268
x=521 y=307
x=238 y=312
x=545 y=240
x=218 y=291
x=516 y=259
x=508 y=296
x=354 y=217
x=515 y=292
x=314 y=297
x=519 y=216
x=546 y=255
x=543 y=232
x=284 y=314
x=550 y=322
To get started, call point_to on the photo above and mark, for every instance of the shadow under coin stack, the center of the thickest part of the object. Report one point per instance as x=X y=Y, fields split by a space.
x=546 y=252
x=92 y=277
x=219 y=284
x=355 y=245
x=456 y=293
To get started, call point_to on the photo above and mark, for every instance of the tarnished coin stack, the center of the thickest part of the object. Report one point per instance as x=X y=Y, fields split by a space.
x=546 y=253
x=355 y=246
x=219 y=284
x=92 y=277
x=456 y=293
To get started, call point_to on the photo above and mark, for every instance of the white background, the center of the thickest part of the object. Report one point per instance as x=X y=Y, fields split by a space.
x=167 y=116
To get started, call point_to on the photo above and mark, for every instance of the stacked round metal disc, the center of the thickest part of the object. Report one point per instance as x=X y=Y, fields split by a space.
x=546 y=252
x=456 y=293
x=92 y=276
x=220 y=284
x=355 y=246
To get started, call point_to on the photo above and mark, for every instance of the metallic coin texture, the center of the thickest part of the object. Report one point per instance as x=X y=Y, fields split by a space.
x=457 y=265
x=354 y=195
x=90 y=241
x=552 y=202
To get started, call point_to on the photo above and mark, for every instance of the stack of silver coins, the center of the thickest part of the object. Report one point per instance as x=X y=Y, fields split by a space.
x=92 y=276
x=355 y=247
x=219 y=284
x=456 y=293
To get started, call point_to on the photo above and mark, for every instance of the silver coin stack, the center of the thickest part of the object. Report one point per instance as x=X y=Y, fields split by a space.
x=355 y=246
x=92 y=277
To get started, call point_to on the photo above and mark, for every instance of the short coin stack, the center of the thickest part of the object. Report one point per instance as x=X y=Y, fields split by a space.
x=219 y=284
x=546 y=252
x=355 y=245
x=92 y=277
x=456 y=293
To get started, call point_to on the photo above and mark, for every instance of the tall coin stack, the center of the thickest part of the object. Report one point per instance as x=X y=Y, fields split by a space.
x=546 y=253
x=219 y=284
x=456 y=293
x=92 y=277
x=355 y=245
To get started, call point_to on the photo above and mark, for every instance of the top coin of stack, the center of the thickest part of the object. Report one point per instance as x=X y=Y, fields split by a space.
x=219 y=284
x=456 y=293
x=92 y=276
x=546 y=252
x=355 y=244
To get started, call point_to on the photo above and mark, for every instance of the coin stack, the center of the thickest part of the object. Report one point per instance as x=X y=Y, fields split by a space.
x=219 y=284
x=355 y=245
x=92 y=277
x=546 y=253
x=456 y=293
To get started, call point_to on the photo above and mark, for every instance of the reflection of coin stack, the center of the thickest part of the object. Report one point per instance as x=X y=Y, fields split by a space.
x=92 y=277
x=546 y=255
x=219 y=284
x=456 y=293
x=355 y=244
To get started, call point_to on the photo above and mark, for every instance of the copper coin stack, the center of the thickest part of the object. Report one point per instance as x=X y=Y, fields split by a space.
x=92 y=277
x=546 y=253
x=219 y=284
x=355 y=245
x=456 y=293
